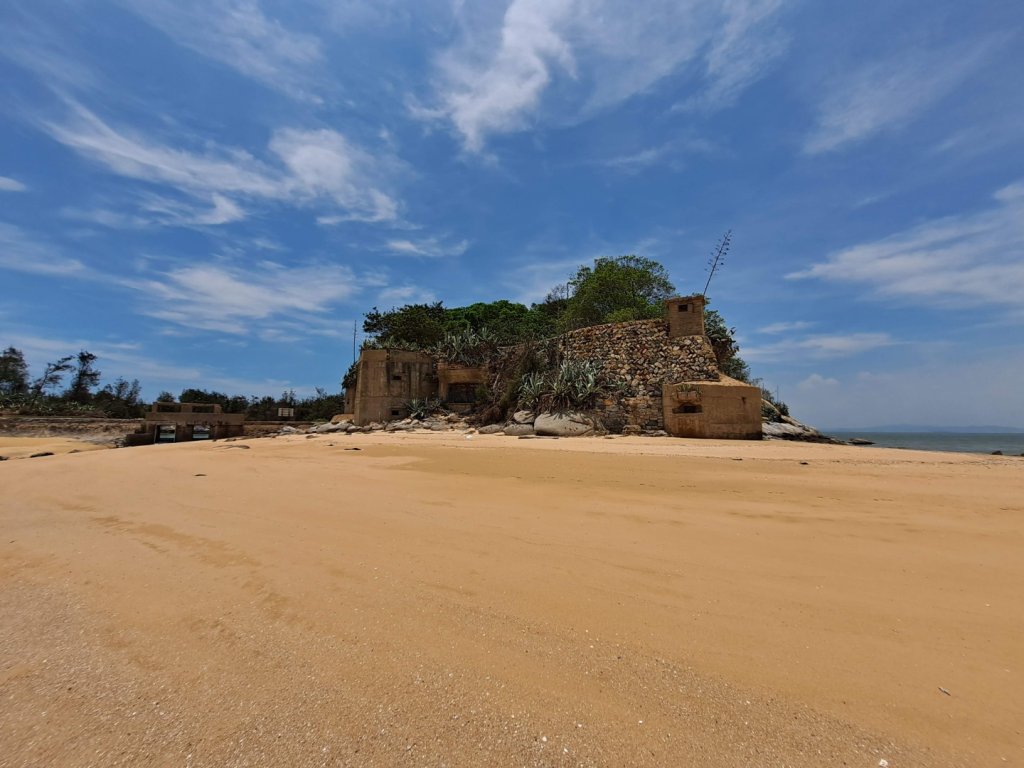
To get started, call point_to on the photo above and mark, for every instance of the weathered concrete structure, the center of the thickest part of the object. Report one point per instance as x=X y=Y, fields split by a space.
x=390 y=378
x=457 y=385
x=184 y=422
x=726 y=409
x=665 y=372
x=685 y=316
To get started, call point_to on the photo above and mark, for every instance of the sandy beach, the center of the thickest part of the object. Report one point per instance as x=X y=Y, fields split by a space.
x=432 y=600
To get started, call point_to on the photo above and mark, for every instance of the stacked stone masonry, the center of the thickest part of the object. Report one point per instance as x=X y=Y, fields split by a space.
x=641 y=357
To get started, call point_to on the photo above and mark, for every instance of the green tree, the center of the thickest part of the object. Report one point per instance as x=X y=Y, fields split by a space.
x=723 y=342
x=418 y=325
x=165 y=397
x=84 y=378
x=13 y=372
x=120 y=399
x=209 y=397
x=615 y=290
x=507 y=322
x=51 y=377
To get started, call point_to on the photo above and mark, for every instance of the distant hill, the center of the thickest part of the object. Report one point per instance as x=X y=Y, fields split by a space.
x=987 y=429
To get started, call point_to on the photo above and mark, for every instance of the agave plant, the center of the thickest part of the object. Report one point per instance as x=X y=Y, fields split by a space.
x=576 y=383
x=465 y=347
x=421 y=409
x=531 y=388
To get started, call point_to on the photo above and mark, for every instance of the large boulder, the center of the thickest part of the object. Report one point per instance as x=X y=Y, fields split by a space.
x=490 y=429
x=523 y=417
x=566 y=424
x=518 y=430
x=329 y=427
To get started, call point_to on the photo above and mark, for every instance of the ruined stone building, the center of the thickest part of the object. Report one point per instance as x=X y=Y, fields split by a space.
x=666 y=372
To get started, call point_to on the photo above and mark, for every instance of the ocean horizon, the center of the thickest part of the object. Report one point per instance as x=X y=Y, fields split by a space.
x=1010 y=443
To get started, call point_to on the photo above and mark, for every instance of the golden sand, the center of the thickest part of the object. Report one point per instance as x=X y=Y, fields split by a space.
x=435 y=600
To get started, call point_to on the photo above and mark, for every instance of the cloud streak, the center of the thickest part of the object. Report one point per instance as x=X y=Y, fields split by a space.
x=22 y=252
x=238 y=34
x=596 y=54
x=887 y=94
x=230 y=300
x=977 y=258
x=313 y=167
x=8 y=184
x=819 y=346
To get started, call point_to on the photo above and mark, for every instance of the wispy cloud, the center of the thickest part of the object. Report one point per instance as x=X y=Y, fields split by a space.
x=430 y=247
x=239 y=34
x=23 y=252
x=8 y=184
x=232 y=300
x=818 y=346
x=887 y=94
x=600 y=53
x=786 y=327
x=747 y=43
x=976 y=258
x=314 y=167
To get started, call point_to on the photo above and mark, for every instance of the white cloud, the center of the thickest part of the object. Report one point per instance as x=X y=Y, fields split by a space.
x=973 y=259
x=430 y=247
x=595 y=54
x=816 y=382
x=818 y=346
x=239 y=34
x=888 y=94
x=231 y=300
x=22 y=252
x=319 y=166
x=8 y=184
x=786 y=327
x=324 y=163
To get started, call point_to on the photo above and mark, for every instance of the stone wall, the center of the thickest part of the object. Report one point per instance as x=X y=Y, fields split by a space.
x=641 y=354
x=640 y=357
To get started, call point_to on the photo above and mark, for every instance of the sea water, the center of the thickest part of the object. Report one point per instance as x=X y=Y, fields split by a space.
x=1011 y=444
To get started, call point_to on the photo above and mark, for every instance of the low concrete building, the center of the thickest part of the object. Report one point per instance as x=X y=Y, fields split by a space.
x=184 y=422
x=724 y=409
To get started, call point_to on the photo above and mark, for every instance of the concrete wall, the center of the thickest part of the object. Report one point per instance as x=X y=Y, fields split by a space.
x=387 y=379
x=726 y=409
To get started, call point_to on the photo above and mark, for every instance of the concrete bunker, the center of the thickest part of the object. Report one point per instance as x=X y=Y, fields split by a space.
x=184 y=422
x=726 y=409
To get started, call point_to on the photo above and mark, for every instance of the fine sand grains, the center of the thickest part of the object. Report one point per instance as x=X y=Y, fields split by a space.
x=433 y=600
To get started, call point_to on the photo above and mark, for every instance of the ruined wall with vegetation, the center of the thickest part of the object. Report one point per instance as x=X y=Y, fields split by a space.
x=641 y=354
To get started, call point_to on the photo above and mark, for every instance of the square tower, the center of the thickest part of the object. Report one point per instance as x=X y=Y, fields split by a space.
x=685 y=316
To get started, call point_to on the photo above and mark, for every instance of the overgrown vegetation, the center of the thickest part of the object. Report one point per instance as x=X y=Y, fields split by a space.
x=611 y=290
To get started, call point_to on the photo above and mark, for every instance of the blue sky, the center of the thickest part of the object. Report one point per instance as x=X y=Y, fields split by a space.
x=210 y=192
